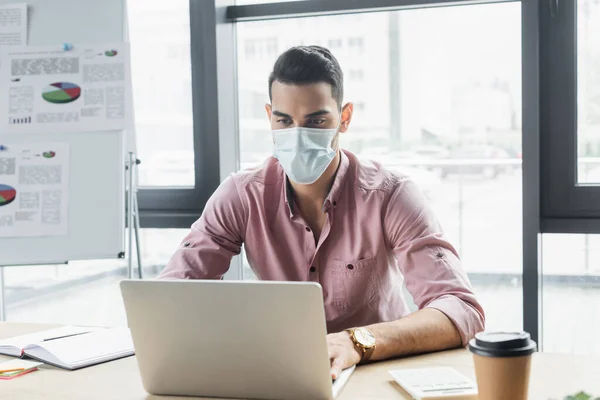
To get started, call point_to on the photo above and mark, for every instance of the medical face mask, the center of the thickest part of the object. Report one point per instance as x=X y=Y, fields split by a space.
x=304 y=153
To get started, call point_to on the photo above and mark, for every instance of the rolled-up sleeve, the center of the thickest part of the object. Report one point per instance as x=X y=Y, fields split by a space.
x=431 y=267
x=206 y=252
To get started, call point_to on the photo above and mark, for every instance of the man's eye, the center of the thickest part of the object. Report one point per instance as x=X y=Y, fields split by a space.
x=317 y=121
x=284 y=121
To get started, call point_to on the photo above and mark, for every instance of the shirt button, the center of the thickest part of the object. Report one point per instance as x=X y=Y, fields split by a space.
x=187 y=244
x=313 y=268
x=307 y=229
x=350 y=266
x=335 y=203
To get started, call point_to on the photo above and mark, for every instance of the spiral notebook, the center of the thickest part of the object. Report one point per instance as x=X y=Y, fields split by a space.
x=71 y=347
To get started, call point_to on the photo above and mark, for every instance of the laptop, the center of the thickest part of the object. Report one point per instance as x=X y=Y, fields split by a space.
x=261 y=340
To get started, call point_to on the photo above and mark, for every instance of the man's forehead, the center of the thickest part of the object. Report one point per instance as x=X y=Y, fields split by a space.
x=314 y=95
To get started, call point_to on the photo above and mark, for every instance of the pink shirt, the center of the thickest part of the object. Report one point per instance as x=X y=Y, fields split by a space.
x=378 y=235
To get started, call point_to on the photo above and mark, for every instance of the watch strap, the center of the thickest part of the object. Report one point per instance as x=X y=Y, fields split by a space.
x=367 y=353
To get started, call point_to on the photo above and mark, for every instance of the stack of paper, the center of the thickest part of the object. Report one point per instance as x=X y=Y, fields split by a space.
x=14 y=368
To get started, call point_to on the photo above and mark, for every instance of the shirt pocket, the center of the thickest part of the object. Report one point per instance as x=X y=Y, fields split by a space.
x=356 y=284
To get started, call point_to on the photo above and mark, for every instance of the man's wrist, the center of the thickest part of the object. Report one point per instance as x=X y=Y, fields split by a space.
x=359 y=351
x=363 y=341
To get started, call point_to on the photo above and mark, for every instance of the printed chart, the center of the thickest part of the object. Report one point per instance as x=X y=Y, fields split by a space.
x=61 y=93
x=7 y=195
x=85 y=89
x=34 y=183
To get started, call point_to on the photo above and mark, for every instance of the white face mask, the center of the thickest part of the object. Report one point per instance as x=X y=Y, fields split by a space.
x=304 y=153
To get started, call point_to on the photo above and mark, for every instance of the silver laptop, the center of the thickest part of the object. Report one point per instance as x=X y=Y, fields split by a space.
x=263 y=340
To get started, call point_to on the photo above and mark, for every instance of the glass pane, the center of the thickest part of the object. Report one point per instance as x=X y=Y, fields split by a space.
x=453 y=121
x=588 y=77
x=571 y=293
x=161 y=69
x=83 y=292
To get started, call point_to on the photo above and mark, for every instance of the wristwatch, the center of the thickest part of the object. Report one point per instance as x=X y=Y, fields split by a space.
x=364 y=340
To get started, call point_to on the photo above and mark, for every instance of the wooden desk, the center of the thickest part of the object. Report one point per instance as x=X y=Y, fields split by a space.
x=553 y=376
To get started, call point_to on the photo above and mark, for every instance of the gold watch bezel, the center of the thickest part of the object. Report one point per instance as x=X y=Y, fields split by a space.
x=363 y=333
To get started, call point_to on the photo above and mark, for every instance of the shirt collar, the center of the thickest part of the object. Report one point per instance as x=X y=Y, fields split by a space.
x=334 y=193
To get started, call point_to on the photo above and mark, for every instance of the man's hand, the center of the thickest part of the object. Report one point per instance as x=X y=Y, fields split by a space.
x=343 y=353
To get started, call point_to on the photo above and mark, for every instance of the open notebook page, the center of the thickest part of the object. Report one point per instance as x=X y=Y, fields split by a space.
x=84 y=350
x=12 y=346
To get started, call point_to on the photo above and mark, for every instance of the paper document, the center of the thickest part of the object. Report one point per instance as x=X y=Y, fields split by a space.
x=34 y=189
x=13 y=24
x=46 y=89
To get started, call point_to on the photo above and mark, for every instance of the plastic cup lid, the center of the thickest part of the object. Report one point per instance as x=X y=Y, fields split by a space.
x=502 y=344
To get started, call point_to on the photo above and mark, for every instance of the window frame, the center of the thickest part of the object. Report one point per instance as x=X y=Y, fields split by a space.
x=308 y=8
x=567 y=205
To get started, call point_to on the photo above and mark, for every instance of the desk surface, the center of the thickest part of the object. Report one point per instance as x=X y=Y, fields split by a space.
x=553 y=376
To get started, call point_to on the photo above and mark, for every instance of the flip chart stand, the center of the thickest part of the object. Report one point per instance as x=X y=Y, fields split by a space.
x=133 y=218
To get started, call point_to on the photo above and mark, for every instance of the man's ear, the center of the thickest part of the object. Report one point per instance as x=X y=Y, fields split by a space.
x=347 y=111
x=269 y=110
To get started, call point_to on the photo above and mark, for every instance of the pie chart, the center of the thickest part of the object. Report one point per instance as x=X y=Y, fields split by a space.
x=61 y=92
x=49 y=154
x=7 y=195
x=111 y=53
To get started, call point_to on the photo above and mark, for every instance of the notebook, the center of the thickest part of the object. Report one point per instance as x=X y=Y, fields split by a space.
x=71 y=347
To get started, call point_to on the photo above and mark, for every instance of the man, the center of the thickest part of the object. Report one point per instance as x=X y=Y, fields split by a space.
x=316 y=213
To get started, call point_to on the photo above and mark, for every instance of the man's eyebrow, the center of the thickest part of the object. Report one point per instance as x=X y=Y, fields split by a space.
x=280 y=114
x=316 y=113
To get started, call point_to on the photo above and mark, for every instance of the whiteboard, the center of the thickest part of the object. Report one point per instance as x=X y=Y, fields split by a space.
x=96 y=215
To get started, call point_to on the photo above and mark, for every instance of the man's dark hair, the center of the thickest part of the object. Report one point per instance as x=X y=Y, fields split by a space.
x=303 y=65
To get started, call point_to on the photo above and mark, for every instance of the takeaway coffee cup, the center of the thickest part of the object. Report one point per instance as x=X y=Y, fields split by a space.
x=502 y=364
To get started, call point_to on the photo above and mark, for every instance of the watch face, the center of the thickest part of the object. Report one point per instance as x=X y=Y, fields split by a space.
x=364 y=337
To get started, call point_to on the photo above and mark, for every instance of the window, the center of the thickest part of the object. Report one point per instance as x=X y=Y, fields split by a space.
x=359 y=107
x=250 y=49
x=177 y=139
x=271 y=47
x=571 y=293
x=161 y=70
x=588 y=89
x=259 y=49
x=571 y=121
x=356 y=75
x=252 y=104
x=426 y=118
x=82 y=292
x=356 y=44
x=333 y=44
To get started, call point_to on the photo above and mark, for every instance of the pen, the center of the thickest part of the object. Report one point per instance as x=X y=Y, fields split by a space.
x=5 y=371
x=65 y=336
